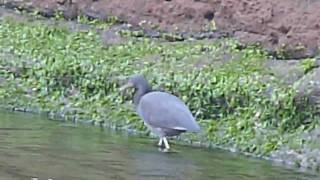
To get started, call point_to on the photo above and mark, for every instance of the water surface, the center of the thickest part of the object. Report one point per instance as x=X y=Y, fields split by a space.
x=31 y=146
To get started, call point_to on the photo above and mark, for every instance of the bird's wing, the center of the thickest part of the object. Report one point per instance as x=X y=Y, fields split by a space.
x=164 y=110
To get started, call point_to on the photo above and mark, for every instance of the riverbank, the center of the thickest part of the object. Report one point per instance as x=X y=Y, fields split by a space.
x=285 y=28
x=243 y=102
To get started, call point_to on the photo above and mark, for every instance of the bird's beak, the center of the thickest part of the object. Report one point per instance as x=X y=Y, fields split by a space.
x=126 y=86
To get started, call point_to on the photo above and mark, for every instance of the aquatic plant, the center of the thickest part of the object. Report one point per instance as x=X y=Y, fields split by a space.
x=238 y=102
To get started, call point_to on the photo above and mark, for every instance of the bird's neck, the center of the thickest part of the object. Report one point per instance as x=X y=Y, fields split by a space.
x=141 y=91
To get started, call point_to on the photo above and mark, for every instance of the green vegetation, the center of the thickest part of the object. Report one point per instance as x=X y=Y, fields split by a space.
x=239 y=103
x=308 y=65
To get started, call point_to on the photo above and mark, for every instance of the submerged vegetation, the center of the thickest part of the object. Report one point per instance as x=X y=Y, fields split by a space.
x=239 y=103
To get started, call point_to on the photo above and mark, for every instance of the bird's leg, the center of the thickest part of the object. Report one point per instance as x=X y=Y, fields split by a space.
x=160 y=141
x=166 y=144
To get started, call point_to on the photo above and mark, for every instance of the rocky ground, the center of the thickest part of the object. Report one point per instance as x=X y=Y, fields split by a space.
x=287 y=28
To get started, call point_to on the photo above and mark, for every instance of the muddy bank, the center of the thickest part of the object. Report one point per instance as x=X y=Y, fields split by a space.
x=286 y=28
x=291 y=28
x=153 y=18
x=246 y=102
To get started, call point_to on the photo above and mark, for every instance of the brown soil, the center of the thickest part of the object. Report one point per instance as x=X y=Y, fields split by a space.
x=291 y=27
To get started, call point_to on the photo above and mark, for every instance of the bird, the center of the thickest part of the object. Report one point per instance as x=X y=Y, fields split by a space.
x=163 y=113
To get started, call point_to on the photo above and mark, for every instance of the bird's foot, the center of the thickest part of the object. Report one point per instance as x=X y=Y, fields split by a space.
x=166 y=144
x=165 y=150
x=160 y=142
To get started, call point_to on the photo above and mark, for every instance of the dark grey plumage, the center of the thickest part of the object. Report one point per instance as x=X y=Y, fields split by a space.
x=165 y=114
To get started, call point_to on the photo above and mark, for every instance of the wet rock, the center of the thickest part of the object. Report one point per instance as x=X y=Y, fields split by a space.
x=307 y=155
x=118 y=27
x=109 y=37
x=209 y=35
x=75 y=27
x=47 y=12
x=93 y=13
x=309 y=86
x=10 y=4
x=172 y=37
x=289 y=71
x=152 y=33
x=62 y=2
x=70 y=12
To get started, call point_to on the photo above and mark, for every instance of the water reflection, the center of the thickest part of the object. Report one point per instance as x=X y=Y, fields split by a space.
x=32 y=147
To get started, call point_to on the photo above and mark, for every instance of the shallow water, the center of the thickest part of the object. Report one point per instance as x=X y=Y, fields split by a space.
x=33 y=147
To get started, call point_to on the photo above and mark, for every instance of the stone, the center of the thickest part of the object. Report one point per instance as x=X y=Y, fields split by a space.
x=309 y=86
x=70 y=12
x=110 y=37
x=288 y=71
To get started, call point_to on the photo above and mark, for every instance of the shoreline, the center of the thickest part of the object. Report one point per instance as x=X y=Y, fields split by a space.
x=54 y=91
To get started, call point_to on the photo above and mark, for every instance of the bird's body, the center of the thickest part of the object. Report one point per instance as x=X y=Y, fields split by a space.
x=165 y=114
x=164 y=111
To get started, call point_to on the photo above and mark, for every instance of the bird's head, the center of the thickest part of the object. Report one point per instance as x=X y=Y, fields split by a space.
x=135 y=81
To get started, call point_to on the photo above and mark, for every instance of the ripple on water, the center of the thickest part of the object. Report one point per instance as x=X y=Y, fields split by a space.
x=85 y=152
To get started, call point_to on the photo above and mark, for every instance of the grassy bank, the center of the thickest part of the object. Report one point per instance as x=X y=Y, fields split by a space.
x=239 y=103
